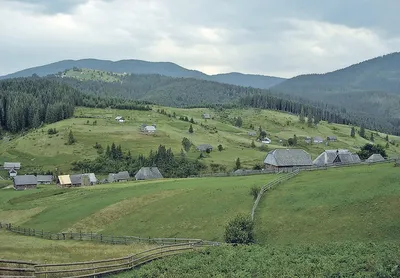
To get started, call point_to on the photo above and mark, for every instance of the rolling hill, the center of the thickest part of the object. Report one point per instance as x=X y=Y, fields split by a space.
x=145 y=67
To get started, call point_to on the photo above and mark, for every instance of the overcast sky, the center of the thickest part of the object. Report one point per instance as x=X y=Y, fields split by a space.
x=280 y=38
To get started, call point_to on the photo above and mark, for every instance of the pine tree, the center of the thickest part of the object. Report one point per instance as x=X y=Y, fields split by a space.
x=191 y=120
x=309 y=120
x=353 y=132
x=387 y=138
x=294 y=140
x=186 y=144
x=362 y=131
x=238 y=164
x=317 y=119
x=191 y=129
x=387 y=145
x=302 y=116
x=372 y=137
x=220 y=148
x=238 y=122
x=71 y=138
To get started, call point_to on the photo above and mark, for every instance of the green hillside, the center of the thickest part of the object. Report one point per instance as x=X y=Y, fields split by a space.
x=39 y=151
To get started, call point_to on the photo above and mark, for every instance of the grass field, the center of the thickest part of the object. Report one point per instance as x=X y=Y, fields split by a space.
x=39 y=151
x=194 y=208
x=17 y=247
x=359 y=203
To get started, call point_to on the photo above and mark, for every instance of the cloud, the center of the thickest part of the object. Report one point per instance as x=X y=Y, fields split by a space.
x=268 y=37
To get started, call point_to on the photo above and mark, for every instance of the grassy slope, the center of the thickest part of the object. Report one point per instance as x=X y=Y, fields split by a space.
x=16 y=247
x=38 y=150
x=349 y=204
x=196 y=208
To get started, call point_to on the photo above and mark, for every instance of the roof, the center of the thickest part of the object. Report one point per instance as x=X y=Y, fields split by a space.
x=344 y=158
x=150 y=128
x=10 y=165
x=44 y=178
x=328 y=156
x=124 y=175
x=375 y=158
x=204 y=147
x=331 y=137
x=118 y=117
x=318 y=138
x=356 y=158
x=205 y=115
x=64 y=179
x=92 y=177
x=25 y=180
x=252 y=133
x=288 y=157
x=146 y=173
x=76 y=179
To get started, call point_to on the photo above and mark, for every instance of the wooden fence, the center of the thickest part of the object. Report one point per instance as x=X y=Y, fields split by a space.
x=93 y=268
x=269 y=186
x=109 y=239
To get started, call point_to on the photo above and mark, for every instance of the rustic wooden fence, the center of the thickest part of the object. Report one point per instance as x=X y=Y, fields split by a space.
x=269 y=186
x=109 y=239
x=93 y=268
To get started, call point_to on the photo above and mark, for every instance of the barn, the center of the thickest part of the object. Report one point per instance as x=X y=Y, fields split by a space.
x=148 y=173
x=25 y=182
x=287 y=159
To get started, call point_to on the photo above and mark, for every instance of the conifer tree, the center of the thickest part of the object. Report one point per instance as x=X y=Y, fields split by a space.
x=302 y=116
x=191 y=129
x=353 y=132
x=238 y=164
x=71 y=138
x=309 y=120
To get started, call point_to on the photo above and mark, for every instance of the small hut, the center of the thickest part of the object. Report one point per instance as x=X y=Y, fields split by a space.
x=25 y=182
x=375 y=158
x=148 y=173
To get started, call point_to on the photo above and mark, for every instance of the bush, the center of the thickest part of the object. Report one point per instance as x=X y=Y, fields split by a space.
x=240 y=230
x=254 y=190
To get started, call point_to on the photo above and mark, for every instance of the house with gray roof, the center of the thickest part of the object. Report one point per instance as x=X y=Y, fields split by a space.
x=204 y=147
x=91 y=177
x=344 y=158
x=148 y=173
x=25 y=182
x=287 y=158
x=375 y=158
x=44 y=179
x=318 y=140
x=76 y=180
x=331 y=138
x=206 y=116
x=118 y=177
x=11 y=165
x=329 y=157
x=252 y=133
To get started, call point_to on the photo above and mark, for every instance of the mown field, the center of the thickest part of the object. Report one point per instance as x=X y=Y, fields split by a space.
x=39 y=151
x=194 y=208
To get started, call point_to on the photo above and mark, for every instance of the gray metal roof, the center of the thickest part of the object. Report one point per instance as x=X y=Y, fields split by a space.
x=288 y=157
x=25 y=180
x=147 y=173
x=92 y=177
x=328 y=157
x=375 y=158
x=344 y=158
x=44 y=178
x=76 y=179
x=12 y=165
x=318 y=138
x=356 y=158
x=204 y=147
x=124 y=175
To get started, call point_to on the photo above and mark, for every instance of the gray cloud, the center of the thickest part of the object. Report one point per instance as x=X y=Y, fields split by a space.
x=282 y=38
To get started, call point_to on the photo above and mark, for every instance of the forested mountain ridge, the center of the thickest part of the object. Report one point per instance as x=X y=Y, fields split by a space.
x=145 y=67
x=371 y=87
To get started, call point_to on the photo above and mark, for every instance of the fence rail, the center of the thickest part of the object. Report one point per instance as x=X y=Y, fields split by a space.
x=109 y=239
x=94 y=268
x=269 y=186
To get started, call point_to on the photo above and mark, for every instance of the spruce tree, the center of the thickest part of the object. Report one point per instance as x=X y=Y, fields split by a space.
x=309 y=120
x=372 y=137
x=387 y=138
x=362 y=131
x=353 y=132
x=302 y=116
x=191 y=129
x=71 y=138
x=238 y=164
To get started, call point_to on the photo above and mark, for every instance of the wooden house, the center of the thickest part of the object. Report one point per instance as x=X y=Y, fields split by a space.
x=375 y=158
x=64 y=180
x=148 y=173
x=206 y=116
x=204 y=148
x=44 y=179
x=25 y=182
x=287 y=159
x=331 y=138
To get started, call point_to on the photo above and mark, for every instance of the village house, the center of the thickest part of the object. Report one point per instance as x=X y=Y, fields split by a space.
x=64 y=180
x=307 y=140
x=331 y=138
x=206 y=116
x=204 y=148
x=148 y=173
x=375 y=158
x=148 y=128
x=252 y=133
x=118 y=177
x=287 y=159
x=91 y=178
x=12 y=168
x=25 y=182
x=12 y=173
x=44 y=179
x=318 y=140
x=329 y=157
x=266 y=140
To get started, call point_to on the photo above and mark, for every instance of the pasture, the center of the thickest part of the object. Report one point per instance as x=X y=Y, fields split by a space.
x=39 y=151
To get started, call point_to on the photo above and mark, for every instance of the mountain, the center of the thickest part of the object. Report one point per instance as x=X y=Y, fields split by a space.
x=145 y=67
x=372 y=86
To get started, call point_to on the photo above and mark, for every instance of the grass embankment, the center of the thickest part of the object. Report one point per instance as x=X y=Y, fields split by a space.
x=38 y=150
x=24 y=248
x=194 y=208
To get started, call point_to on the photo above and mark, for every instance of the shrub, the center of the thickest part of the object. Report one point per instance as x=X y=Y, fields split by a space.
x=254 y=190
x=240 y=230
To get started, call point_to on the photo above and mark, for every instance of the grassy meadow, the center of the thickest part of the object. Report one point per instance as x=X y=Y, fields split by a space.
x=37 y=150
x=194 y=208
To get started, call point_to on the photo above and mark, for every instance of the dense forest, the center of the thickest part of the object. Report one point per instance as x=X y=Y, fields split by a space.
x=114 y=159
x=29 y=102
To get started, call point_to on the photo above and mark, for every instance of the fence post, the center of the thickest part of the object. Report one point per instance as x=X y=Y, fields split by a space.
x=80 y=235
x=101 y=237
x=91 y=235
x=42 y=233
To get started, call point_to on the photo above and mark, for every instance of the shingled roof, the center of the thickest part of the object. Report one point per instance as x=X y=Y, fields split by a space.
x=375 y=158
x=25 y=180
x=12 y=165
x=44 y=178
x=204 y=147
x=64 y=180
x=124 y=175
x=147 y=173
x=288 y=157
